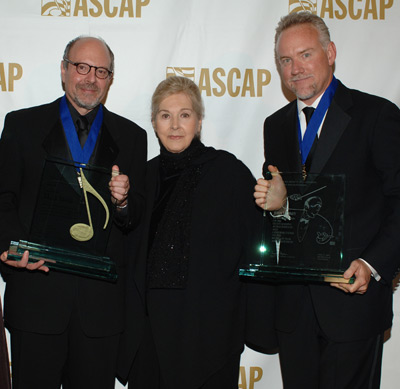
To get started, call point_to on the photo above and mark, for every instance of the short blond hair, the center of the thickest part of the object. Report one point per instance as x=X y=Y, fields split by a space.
x=173 y=85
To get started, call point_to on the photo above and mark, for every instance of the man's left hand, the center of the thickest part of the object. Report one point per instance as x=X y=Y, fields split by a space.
x=119 y=187
x=362 y=273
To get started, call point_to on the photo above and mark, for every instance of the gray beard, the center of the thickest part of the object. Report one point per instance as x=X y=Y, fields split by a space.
x=305 y=97
x=87 y=106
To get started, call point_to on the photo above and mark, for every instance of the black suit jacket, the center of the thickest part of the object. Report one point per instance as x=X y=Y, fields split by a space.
x=39 y=302
x=360 y=138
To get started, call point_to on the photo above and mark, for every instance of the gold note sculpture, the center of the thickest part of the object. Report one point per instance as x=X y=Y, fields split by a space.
x=80 y=231
x=61 y=235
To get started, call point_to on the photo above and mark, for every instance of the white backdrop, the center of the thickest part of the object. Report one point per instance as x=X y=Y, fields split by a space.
x=226 y=46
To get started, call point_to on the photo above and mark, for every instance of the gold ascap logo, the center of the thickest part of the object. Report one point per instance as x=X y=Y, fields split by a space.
x=14 y=71
x=341 y=9
x=182 y=72
x=56 y=7
x=94 y=8
x=220 y=82
x=302 y=5
x=247 y=381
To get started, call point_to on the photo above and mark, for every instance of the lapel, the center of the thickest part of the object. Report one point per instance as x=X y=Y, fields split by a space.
x=54 y=142
x=335 y=124
x=291 y=139
x=152 y=187
x=106 y=150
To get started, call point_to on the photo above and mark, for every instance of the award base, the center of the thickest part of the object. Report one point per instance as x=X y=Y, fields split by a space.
x=66 y=261
x=292 y=274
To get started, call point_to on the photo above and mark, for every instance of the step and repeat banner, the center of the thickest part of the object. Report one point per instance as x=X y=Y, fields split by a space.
x=226 y=47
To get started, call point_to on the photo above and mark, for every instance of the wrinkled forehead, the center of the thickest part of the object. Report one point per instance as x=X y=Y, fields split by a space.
x=90 y=48
x=298 y=36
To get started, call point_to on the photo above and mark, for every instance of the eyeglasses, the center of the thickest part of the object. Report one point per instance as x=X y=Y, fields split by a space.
x=84 y=68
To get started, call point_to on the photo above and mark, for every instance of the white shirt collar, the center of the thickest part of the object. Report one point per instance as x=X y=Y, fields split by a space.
x=301 y=104
x=302 y=117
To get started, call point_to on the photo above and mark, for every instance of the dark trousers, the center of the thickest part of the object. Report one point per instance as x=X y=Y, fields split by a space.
x=72 y=359
x=4 y=362
x=145 y=372
x=309 y=360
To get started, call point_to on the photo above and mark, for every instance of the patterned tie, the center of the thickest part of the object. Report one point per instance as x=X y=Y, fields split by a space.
x=308 y=112
x=83 y=129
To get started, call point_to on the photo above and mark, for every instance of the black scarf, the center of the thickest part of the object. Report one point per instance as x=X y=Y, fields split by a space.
x=169 y=250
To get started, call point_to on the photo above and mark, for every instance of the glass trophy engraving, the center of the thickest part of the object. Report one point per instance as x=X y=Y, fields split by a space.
x=72 y=221
x=306 y=246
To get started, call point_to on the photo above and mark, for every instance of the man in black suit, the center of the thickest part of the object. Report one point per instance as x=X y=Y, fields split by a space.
x=65 y=328
x=331 y=336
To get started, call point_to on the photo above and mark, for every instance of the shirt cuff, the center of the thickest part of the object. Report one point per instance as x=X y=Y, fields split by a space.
x=374 y=273
x=283 y=212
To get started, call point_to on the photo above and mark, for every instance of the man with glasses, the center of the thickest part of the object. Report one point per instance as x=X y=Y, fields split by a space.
x=65 y=328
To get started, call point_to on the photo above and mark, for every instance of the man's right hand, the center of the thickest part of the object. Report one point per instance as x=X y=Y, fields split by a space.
x=270 y=195
x=23 y=263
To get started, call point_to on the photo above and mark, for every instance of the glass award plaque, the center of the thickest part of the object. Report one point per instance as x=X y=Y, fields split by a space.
x=72 y=221
x=307 y=244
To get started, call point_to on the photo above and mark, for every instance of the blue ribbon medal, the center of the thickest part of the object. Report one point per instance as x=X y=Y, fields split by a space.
x=79 y=154
x=316 y=120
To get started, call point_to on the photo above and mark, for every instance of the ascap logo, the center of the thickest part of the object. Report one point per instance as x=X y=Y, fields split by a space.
x=14 y=71
x=341 y=9
x=182 y=72
x=56 y=8
x=94 y=8
x=302 y=5
x=219 y=82
x=247 y=381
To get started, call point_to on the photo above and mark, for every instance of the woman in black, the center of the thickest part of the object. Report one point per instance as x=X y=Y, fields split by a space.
x=199 y=227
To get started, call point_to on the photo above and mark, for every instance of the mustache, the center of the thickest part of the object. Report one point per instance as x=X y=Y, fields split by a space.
x=298 y=78
x=88 y=86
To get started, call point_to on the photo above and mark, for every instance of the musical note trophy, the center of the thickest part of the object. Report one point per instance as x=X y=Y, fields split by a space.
x=71 y=222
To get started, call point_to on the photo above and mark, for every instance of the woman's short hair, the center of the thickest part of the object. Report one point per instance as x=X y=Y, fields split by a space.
x=173 y=85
